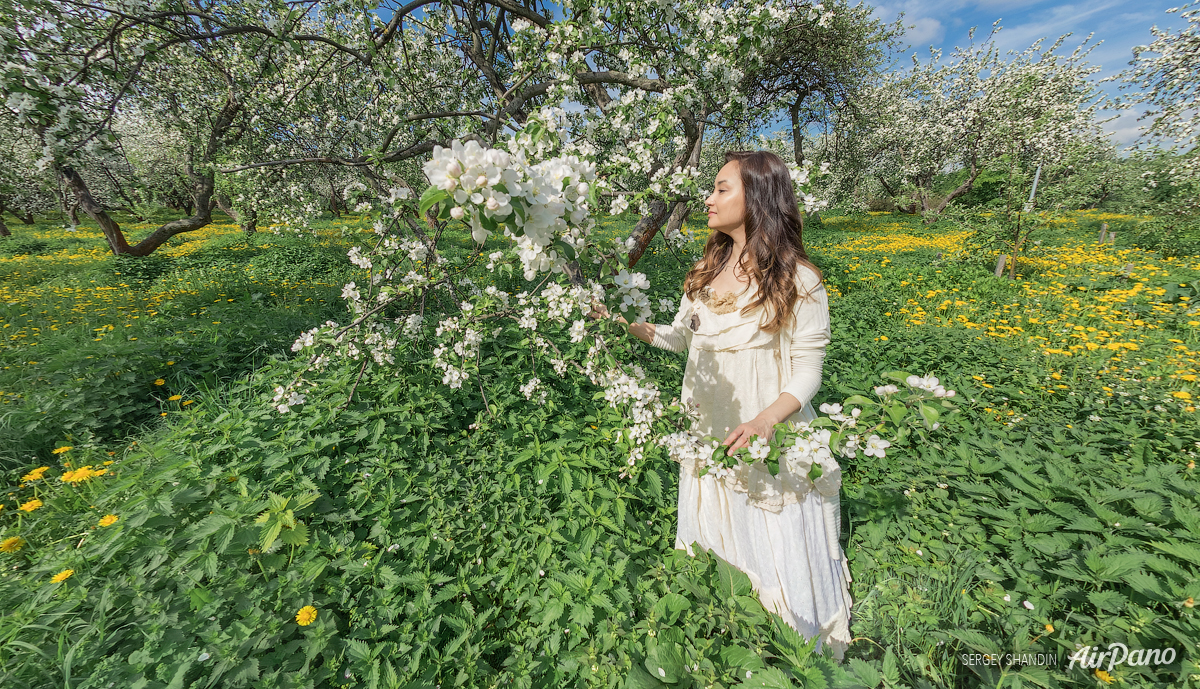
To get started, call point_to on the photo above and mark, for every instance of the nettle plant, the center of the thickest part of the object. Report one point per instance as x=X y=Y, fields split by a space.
x=810 y=450
x=540 y=193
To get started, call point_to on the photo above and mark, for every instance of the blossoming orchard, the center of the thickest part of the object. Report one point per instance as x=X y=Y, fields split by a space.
x=320 y=360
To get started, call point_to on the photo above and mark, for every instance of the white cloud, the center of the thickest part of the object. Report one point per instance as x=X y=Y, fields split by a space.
x=923 y=32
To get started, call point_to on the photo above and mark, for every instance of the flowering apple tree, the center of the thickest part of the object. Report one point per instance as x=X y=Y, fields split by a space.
x=978 y=109
x=1166 y=73
x=538 y=194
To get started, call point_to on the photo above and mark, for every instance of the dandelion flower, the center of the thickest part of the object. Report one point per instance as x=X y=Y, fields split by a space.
x=60 y=450
x=172 y=398
x=1104 y=676
x=62 y=576
x=31 y=505
x=108 y=520
x=35 y=475
x=12 y=544
x=306 y=616
x=160 y=381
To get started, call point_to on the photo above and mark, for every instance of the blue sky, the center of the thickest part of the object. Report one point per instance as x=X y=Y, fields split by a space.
x=1119 y=24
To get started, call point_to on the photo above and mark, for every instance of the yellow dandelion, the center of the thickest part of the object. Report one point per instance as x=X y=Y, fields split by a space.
x=1049 y=629
x=172 y=398
x=60 y=450
x=108 y=520
x=1104 y=676
x=187 y=402
x=35 y=475
x=306 y=616
x=62 y=576
x=1182 y=395
x=1189 y=603
x=31 y=505
x=14 y=543
x=160 y=381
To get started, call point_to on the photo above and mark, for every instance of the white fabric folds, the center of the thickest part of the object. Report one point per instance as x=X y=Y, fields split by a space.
x=781 y=531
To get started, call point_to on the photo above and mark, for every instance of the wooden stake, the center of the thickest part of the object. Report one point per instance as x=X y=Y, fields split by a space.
x=1000 y=265
x=1103 y=232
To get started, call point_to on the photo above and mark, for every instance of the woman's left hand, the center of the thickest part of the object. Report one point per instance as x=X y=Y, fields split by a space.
x=740 y=437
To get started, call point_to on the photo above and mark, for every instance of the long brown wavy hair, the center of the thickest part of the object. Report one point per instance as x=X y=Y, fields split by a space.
x=773 y=239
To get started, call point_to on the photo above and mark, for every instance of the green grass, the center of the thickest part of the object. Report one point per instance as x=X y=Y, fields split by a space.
x=445 y=543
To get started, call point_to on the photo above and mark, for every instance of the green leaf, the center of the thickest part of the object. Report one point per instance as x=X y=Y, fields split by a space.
x=640 y=679
x=432 y=196
x=670 y=605
x=770 y=677
x=270 y=533
x=929 y=413
x=297 y=535
x=666 y=663
x=200 y=597
x=565 y=249
x=866 y=672
x=742 y=658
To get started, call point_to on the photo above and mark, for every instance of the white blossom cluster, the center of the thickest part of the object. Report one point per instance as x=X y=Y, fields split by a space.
x=802 y=177
x=552 y=194
x=929 y=383
x=814 y=443
x=636 y=396
x=285 y=399
x=534 y=385
x=629 y=289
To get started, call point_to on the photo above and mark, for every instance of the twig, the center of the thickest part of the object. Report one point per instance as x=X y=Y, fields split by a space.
x=355 y=386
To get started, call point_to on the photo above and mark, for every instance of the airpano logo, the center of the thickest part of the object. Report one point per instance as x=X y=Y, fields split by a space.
x=1091 y=657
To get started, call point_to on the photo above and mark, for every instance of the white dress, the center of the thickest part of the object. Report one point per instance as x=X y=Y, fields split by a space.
x=781 y=531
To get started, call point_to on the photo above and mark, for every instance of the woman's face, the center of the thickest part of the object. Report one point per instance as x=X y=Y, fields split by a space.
x=727 y=204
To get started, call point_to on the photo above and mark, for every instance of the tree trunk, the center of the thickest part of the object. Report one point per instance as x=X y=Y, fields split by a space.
x=679 y=213
x=226 y=205
x=4 y=228
x=74 y=213
x=333 y=200
x=249 y=221
x=962 y=189
x=26 y=219
x=649 y=225
x=797 y=135
x=202 y=190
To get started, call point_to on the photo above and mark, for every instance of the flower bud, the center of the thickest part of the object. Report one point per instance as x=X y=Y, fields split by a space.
x=457 y=213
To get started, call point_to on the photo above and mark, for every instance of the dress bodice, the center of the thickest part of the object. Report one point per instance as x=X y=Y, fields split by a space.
x=717 y=322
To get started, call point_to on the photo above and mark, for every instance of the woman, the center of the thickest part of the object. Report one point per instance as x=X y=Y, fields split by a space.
x=754 y=319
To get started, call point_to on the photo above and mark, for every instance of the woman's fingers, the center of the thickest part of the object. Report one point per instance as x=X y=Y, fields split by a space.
x=735 y=440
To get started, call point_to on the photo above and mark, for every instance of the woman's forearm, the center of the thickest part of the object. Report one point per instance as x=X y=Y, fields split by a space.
x=781 y=408
x=642 y=331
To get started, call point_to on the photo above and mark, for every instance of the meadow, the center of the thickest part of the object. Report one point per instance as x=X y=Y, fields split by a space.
x=164 y=527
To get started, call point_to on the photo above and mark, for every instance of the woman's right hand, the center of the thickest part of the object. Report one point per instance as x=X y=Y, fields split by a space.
x=598 y=311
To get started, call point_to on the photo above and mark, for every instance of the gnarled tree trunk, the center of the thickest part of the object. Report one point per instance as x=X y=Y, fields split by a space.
x=249 y=221
x=202 y=191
